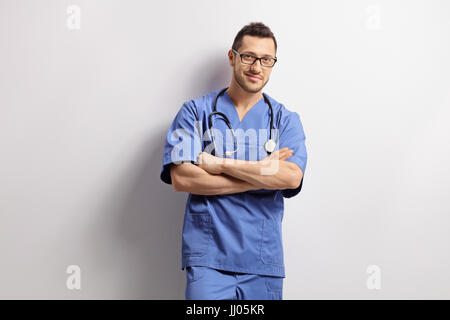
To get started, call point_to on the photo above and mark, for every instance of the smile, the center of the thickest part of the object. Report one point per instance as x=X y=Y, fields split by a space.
x=254 y=78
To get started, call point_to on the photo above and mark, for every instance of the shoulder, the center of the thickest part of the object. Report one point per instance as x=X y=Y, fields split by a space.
x=283 y=116
x=201 y=104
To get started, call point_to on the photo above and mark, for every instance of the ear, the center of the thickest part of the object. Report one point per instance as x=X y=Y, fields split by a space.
x=231 y=58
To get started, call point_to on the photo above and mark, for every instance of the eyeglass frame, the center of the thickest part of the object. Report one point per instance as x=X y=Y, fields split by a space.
x=256 y=58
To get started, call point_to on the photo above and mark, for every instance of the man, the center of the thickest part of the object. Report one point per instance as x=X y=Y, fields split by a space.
x=232 y=242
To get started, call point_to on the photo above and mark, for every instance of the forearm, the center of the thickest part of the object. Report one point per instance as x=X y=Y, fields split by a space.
x=270 y=174
x=192 y=179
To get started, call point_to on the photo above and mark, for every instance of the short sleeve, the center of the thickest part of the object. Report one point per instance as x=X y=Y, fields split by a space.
x=293 y=137
x=183 y=140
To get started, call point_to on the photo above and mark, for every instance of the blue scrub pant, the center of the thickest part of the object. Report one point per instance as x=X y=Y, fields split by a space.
x=204 y=283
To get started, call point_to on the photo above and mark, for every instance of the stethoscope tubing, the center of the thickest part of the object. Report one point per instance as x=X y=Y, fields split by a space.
x=225 y=118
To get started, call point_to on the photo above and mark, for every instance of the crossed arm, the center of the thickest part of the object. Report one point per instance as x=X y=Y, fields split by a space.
x=224 y=176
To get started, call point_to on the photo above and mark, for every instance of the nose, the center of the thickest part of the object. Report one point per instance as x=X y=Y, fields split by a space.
x=256 y=67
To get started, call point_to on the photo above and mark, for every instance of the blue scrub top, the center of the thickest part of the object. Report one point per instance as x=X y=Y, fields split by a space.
x=238 y=232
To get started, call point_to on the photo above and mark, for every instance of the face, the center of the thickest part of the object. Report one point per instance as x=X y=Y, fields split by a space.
x=252 y=78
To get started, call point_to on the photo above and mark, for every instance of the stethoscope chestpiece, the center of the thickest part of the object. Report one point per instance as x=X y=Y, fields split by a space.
x=270 y=145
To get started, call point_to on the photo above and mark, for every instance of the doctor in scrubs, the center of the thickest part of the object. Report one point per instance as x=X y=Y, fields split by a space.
x=232 y=230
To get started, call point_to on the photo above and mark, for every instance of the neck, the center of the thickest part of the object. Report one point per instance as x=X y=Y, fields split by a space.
x=241 y=98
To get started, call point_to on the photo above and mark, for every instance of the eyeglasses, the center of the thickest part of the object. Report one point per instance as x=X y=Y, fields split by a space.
x=249 y=59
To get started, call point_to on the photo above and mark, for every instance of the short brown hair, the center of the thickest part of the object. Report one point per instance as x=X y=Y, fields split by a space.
x=257 y=29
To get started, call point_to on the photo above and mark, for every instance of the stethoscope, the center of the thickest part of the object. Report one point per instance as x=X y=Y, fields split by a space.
x=269 y=145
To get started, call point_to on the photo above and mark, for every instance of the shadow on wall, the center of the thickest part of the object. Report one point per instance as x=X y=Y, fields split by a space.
x=136 y=241
x=213 y=75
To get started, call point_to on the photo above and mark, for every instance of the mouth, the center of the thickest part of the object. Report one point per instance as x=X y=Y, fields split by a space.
x=253 y=77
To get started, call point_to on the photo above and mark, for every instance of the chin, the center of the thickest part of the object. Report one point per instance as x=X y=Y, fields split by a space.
x=250 y=86
x=254 y=88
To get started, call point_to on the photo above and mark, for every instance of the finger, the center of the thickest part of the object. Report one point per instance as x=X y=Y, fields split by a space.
x=282 y=150
x=287 y=154
x=280 y=153
x=275 y=154
x=282 y=156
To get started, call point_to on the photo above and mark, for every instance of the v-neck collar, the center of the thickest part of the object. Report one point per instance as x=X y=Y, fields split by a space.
x=236 y=114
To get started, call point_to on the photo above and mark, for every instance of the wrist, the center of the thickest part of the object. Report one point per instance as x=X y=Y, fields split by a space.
x=254 y=187
x=225 y=165
x=222 y=167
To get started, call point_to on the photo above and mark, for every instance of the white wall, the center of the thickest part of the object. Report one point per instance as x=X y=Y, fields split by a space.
x=84 y=113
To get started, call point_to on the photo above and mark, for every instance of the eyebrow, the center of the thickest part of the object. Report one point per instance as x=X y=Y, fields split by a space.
x=251 y=52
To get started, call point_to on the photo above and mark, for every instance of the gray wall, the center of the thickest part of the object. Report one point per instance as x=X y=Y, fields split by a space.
x=84 y=112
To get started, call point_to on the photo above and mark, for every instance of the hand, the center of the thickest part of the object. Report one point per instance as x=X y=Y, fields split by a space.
x=210 y=163
x=281 y=154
